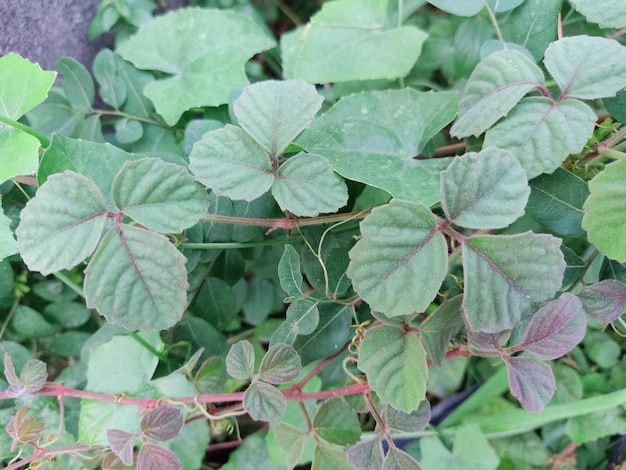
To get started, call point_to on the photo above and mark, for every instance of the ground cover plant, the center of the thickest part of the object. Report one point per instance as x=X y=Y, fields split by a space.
x=344 y=234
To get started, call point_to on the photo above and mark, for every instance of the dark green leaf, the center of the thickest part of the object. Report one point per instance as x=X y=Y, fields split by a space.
x=215 y=302
x=330 y=335
x=31 y=324
x=201 y=334
x=211 y=376
x=77 y=83
x=336 y=422
x=67 y=314
x=440 y=327
x=289 y=271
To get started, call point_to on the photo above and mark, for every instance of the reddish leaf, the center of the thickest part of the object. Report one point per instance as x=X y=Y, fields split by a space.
x=111 y=461
x=605 y=300
x=555 y=329
x=154 y=457
x=32 y=378
x=531 y=382
x=23 y=429
x=162 y=423
x=280 y=364
x=122 y=444
x=483 y=341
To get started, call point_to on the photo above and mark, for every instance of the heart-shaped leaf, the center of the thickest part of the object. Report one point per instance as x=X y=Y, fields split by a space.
x=161 y=196
x=122 y=444
x=202 y=51
x=397 y=459
x=610 y=14
x=280 y=364
x=402 y=422
x=395 y=364
x=335 y=422
x=400 y=247
x=24 y=429
x=62 y=224
x=154 y=457
x=291 y=441
x=162 y=423
x=496 y=85
x=366 y=454
x=240 y=360
x=484 y=190
x=556 y=328
x=137 y=279
x=531 y=382
x=264 y=402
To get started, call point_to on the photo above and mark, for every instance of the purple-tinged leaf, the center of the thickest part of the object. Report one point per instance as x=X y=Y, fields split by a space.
x=605 y=300
x=154 y=457
x=264 y=402
x=9 y=373
x=32 y=378
x=366 y=455
x=531 y=382
x=23 y=429
x=111 y=461
x=555 y=329
x=481 y=341
x=397 y=420
x=122 y=444
x=162 y=423
x=397 y=459
x=240 y=360
x=280 y=364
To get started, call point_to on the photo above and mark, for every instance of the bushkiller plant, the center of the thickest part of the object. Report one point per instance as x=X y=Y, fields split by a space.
x=264 y=247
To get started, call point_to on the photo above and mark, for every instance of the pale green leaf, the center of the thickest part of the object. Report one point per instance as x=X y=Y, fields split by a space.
x=203 y=52
x=336 y=422
x=605 y=218
x=587 y=67
x=496 y=85
x=303 y=316
x=465 y=8
x=350 y=40
x=395 y=364
x=291 y=441
x=280 y=364
x=77 y=83
x=541 y=133
x=20 y=152
x=137 y=279
x=264 y=402
x=329 y=458
x=289 y=271
x=484 y=190
x=161 y=196
x=307 y=186
x=275 y=112
x=556 y=202
x=98 y=162
x=366 y=454
x=593 y=426
x=373 y=138
x=232 y=164
x=23 y=85
x=506 y=275
x=400 y=247
x=397 y=459
x=62 y=224
x=112 y=90
x=608 y=14
x=8 y=244
x=532 y=25
x=128 y=131
x=240 y=360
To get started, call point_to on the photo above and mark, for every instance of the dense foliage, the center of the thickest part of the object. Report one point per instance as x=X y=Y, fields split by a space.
x=289 y=231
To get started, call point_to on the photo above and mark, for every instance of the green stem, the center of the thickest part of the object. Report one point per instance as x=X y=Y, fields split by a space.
x=43 y=140
x=149 y=347
x=65 y=279
x=611 y=153
x=284 y=223
x=494 y=22
x=113 y=112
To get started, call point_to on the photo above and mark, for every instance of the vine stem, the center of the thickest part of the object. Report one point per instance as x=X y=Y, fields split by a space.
x=284 y=223
x=43 y=452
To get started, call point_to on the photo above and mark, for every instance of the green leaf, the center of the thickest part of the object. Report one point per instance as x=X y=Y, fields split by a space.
x=68 y=314
x=289 y=271
x=587 y=67
x=350 y=40
x=31 y=324
x=23 y=429
x=484 y=190
x=127 y=131
x=264 y=402
x=440 y=327
x=373 y=138
x=329 y=458
x=397 y=459
x=23 y=150
x=470 y=450
x=400 y=247
x=505 y=275
x=161 y=196
x=541 y=133
x=162 y=423
x=605 y=218
x=240 y=360
x=306 y=186
x=609 y=14
x=8 y=244
x=575 y=268
x=336 y=422
x=77 y=83
x=593 y=426
x=280 y=364
x=556 y=202
x=62 y=224
x=274 y=113
x=331 y=333
x=532 y=382
x=303 y=316
x=211 y=376
x=533 y=25
x=231 y=163
x=216 y=302
x=137 y=279
x=200 y=334
x=202 y=51
x=496 y=85
x=112 y=91
x=23 y=85
x=466 y=8
x=395 y=364
x=98 y=162
x=291 y=441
